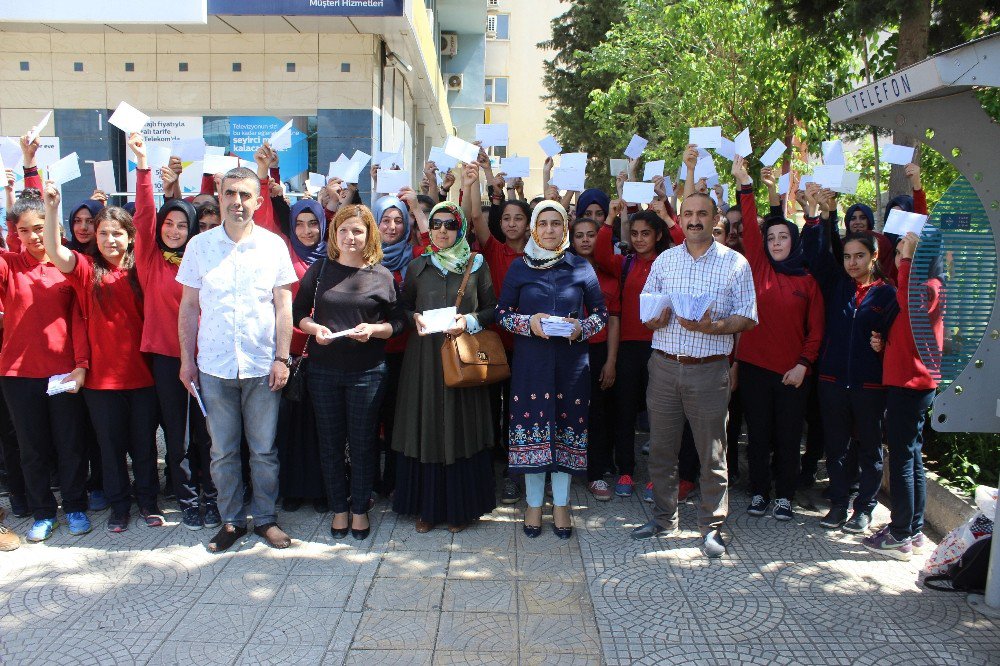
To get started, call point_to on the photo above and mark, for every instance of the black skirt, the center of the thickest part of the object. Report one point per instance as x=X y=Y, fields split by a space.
x=300 y=474
x=453 y=495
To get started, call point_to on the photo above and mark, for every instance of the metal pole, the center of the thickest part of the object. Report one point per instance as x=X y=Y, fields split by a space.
x=989 y=603
x=878 y=177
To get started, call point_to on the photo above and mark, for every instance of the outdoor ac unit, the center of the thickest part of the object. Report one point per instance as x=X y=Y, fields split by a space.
x=493 y=4
x=449 y=43
x=455 y=82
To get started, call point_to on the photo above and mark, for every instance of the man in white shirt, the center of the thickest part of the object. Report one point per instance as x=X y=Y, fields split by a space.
x=237 y=311
x=689 y=369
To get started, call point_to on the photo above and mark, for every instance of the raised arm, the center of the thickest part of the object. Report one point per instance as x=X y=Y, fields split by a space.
x=753 y=241
x=604 y=250
x=690 y=161
x=60 y=256
x=472 y=203
x=146 y=248
x=919 y=196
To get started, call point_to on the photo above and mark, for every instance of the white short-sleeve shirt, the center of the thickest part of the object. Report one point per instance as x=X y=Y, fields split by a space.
x=236 y=335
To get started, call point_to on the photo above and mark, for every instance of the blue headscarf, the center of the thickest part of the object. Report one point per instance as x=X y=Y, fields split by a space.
x=304 y=252
x=865 y=210
x=395 y=256
x=592 y=196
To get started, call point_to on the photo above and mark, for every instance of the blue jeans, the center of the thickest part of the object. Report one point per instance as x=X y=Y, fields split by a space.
x=847 y=413
x=236 y=406
x=534 y=489
x=905 y=413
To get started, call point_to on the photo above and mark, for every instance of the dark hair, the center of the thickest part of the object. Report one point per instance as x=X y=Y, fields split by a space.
x=656 y=223
x=577 y=222
x=26 y=205
x=868 y=240
x=31 y=193
x=101 y=265
x=207 y=208
x=239 y=173
x=525 y=208
x=356 y=199
x=425 y=200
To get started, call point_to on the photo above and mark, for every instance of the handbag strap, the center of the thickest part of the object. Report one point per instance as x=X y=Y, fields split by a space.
x=465 y=280
x=305 y=349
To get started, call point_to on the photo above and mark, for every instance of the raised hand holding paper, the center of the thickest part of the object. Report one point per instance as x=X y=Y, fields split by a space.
x=492 y=134
x=783 y=183
x=900 y=222
x=104 y=176
x=773 y=153
x=727 y=149
x=849 y=182
x=833 y=152
x=617 y=166
x=570 y=179
x=828 y=175
x=705 y=137
x=635 y=147
x=392 y=181
x=896 y=154
x=515 y=167
x=189 y=150
x=550 y=146
x=128 y=119
x=463 y=151
x=157 y=156
x=442 y=160
x=573 y=161
x=316 y=182
x=705 y=168
x=652 y=169
x=65 y=170
x=37 y=129
x=741 y=144
x=638 y=193
x=282 y=139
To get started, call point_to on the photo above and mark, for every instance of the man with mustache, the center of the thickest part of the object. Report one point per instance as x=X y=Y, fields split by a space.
x=689 y=368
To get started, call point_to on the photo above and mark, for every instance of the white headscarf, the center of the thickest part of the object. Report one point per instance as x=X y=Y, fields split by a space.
x=534 y=254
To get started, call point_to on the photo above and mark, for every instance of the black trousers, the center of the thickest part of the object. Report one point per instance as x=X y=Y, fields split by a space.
x=629 y=399
x=49 y=430
x=774 y=414
x=186 y=433
x=10 y=453
x=814 y=429
x=601 y=417
x=385 y=472
x=858 y=412
x=125 y=422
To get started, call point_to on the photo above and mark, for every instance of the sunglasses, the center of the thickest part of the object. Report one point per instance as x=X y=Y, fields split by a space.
x=450 y=225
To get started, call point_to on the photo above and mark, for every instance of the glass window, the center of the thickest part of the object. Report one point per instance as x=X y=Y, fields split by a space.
x=503 y=26
x=500 y=96
x=489 y=91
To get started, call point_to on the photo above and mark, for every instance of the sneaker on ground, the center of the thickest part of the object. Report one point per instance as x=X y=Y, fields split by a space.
x=97 y=500
x=834 y=518
x=600 y=490
x=883 y=543
x=647 y=493
x=858 y=524
x=79 y=523
x=713 y=546
x=8 y=540
x=153 y=517
x=624 y=486
x=782 y=509
x=511 y=492
x=919 y=542
x=758 y=505
x=684 y=489
x=212 y=516
x=192 y=519
x=42 y=530
x=118 y=523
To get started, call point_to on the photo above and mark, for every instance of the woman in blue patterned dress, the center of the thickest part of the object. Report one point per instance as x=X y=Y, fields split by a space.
x=550 y=379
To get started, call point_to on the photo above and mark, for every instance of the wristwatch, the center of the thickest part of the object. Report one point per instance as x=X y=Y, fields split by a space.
x=287 y=362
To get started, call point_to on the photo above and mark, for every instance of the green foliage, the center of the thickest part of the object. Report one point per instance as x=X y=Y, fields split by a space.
x=964 y=460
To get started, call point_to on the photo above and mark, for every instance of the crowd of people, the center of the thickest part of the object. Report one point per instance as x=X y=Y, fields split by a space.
x=293 y=351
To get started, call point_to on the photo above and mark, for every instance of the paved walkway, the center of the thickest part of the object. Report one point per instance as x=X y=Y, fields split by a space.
x=787 y=593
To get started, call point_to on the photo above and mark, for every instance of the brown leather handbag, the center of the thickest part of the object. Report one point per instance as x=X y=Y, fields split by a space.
x=473 y=360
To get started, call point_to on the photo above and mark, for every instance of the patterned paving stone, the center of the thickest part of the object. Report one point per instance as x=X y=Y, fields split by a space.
x=451 y=658
x=244 y=587
x=396 y=630
x=389 y=657
x=285 y=626
x=486 y=536
x=482 y=566
x=477 y=632
x=550 y=659
x=545 y=566
x=184 y=653
x=314 y=591
x=553 y=597
x=414 y=564
x=421 y=594
x=543 y=634
x=218 y=623
x=480 y=596
x=266 y=655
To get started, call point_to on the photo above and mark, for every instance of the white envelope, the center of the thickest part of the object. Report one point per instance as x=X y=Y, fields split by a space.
x=573 y=161
x=833 y=152
x=128 y=119
x=557 y=327
x=900 y=222
x=569 y=179
x=617 y=166
x=638 y=193
x=493 y=134
x=439 y=320
x=219 y=163
x=461 y=150
x=652 y=305
x=784 y=183
x=727 y=149
x=635 y=147
x=215 y=150
x=104 y=176
x=516 y=167
x=56 y=385
x=849 y=183
x=388 y=160
x=391 y=181
x=65 y=170
x=828 y=175
x=705 y=137
x=654 y=168
x=741 y=144
x=316 y=182
x=191 y=177
x=282 y=139
x=10 y=151
x=157 y=155
x=773 y=153
x=550 y=146
x=189 y=150
x=896 y=154
x=442 y=161
x=705 y=168
x=339 y=168
x=37 y=129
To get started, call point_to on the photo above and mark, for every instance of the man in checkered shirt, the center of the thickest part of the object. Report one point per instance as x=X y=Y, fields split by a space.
x=689 y=369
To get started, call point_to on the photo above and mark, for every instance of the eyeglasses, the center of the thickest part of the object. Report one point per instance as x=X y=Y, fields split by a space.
x=450 y=225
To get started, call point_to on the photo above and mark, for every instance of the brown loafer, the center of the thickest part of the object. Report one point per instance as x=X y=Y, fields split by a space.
x=273 y=534
x=423 y=526
x=227 y=535
x=455 y=529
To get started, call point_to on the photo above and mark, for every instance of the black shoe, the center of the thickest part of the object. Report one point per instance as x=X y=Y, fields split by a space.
x=4 y=490
x=758 y=506
x=562 y=532
x=19 y=506
x=650 y=530
x=511 y=492
x=320 y=505
x=834 y=518
x=361 y=535
x=858 y=524
x=531 y=531
x=226 y=537
x=291 y=504
x=212 y=517
x=340 y=532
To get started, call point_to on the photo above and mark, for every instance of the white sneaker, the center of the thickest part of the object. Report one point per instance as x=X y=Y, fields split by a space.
x=713 y=545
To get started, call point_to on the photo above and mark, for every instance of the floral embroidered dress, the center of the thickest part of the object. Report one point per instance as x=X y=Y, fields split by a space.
x=550 y=379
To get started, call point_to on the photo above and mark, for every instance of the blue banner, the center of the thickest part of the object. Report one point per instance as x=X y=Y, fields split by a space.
x=247 y=133
x=306 y=7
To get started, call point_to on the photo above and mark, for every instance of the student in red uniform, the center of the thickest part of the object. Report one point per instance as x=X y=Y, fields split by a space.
x=119 y=385
x=911 y=385
x=44 y=336
x=649 y=235
x=603 y=361
x=160 y=239
x=499 y=256
x=775 y=357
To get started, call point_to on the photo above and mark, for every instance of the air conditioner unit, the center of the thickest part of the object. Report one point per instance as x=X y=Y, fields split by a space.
x=449 y=43
x=493 y=4
x=455 y=82
x=491 y=26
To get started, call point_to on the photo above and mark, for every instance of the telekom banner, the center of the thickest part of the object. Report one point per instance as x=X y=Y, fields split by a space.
x=307 y=7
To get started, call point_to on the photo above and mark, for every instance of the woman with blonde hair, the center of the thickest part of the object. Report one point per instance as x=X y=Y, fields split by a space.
x=347 y=305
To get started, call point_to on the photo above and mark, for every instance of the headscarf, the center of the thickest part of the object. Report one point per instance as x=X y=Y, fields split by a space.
x=795 y=262
x=307 y=254
x=592 y=196
x=95 y=207
x=395 y=256
x=864 y=209
x=453 y=259
x=534 y=254
x=174 y=255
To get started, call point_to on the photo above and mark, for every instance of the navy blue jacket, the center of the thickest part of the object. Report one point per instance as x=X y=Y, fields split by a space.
x=846 y=357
